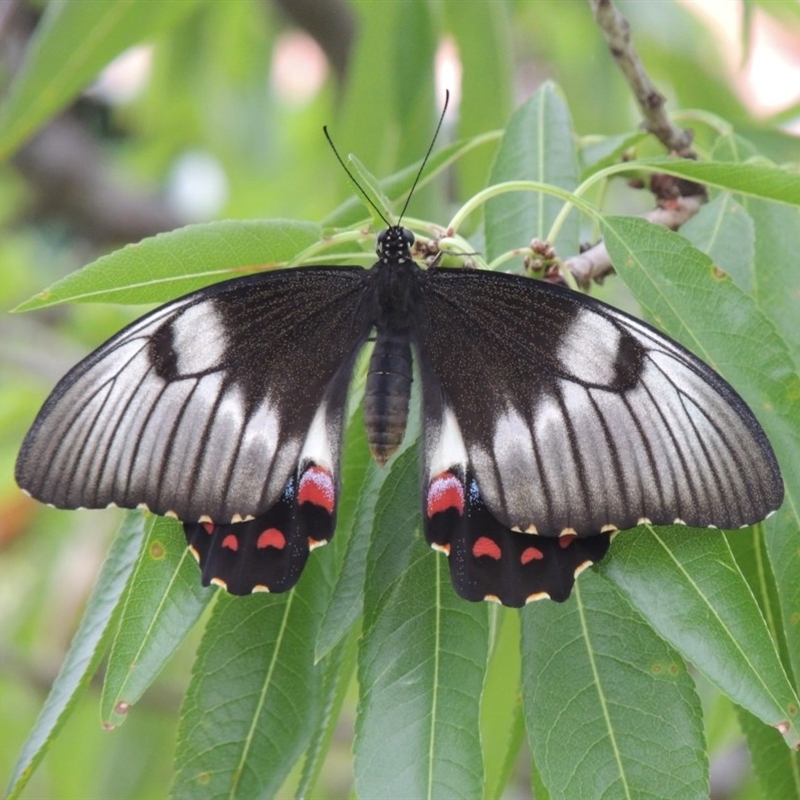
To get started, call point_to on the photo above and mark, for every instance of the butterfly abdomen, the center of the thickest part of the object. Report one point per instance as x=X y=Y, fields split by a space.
x=387 y=393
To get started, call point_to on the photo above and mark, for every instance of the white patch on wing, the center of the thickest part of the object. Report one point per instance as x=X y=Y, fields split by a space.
x=447 y=448
x=593 y=497
x=259 y=440
x=220 y=442
x=483 y=466
x=516 y=462
x=588 y=349
x=142 y=445
x=198 y=338
x=321 y=441
x=559 y=467
x=179 y=423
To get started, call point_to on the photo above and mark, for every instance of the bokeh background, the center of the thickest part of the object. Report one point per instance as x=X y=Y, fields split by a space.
x=220 y=116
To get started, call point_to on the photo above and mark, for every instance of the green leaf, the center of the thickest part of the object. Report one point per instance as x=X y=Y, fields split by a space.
x=365 y=182
x=163 y=602
x=85 y=652
x=361 y=482
x=483 y=37
x=338 y=668
x=370 y=76
x=723 y=230
x=347 y=600
x=421 y=662
x=679 y=287
x=73 y=42
x=175 y=263
x=688 y=586
x=412 y=49
x=776 y=282
x=776 y=279
x=777 y=768
x=255 y=694
x=537 y=145
x=502 y=721
x=755 y=179
x=750 y=551
x=611 y=710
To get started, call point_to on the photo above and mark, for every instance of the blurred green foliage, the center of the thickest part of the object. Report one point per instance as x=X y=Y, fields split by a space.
x=212 y=89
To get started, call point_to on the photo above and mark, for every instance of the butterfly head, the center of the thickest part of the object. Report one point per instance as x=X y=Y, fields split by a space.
x=394 y=244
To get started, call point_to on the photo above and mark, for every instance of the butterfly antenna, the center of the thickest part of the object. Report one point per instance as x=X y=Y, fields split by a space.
x=352 y=178
x=416 y=180
x=427 y=155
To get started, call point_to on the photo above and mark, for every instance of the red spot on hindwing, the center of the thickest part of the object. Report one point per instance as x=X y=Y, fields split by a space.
x=230 y=542
x=208 y=527
x=445 y=491
x=271 y=537
x=531 y=554
x=316 y=487
x=566 y=540
x=484 y=546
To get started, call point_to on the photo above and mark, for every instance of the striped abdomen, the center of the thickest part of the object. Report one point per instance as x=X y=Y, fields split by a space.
x=387 y=393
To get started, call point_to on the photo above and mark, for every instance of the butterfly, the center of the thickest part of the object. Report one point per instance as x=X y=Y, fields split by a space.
x=550 y=421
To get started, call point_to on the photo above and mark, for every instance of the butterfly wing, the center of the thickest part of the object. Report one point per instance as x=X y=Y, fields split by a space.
x=215 y=408
x=563 y=416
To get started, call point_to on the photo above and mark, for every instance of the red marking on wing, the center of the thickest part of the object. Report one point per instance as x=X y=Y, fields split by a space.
x=531 y=554
x=446 y=491
x=565 y=541
x=230 y=542
x=316 y=487
x=271 y=537
x=484 y=546
x=208 y=527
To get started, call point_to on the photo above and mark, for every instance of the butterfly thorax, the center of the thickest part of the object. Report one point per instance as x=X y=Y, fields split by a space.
x=389 y=377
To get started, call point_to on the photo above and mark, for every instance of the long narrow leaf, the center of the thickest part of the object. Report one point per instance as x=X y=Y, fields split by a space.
x=537 y=145
x=421 y=663
x=254 y=697
x=688 y=586
x=776 y=767
x=86 y=650
x=74 y=41
x=164 y=602
x=611 y=709
x=164 y=266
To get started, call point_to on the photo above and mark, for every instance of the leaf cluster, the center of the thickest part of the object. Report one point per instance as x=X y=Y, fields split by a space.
x=600 y=692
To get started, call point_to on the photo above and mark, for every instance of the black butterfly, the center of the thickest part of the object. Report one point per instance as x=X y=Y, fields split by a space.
x=550 y=420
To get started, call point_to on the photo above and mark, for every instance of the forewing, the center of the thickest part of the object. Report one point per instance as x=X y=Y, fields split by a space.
x=575 y=417
x=204 y=407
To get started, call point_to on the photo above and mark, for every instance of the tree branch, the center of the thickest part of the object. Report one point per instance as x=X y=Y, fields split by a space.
x=677 y=200
x=595 y=264
x=617 y=32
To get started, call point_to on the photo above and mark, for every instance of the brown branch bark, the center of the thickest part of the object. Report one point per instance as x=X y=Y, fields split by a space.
x=617 y=32
x=677 y=200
